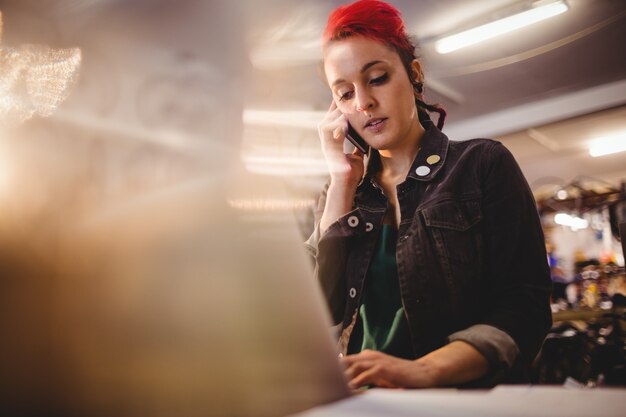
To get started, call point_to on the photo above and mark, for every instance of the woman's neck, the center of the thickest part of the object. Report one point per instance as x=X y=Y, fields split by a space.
x=395 y=162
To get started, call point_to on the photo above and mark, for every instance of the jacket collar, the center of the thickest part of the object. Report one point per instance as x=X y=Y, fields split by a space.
x=431 y=156
x=429 y=160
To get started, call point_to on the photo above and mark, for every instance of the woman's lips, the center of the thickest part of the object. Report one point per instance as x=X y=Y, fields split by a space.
x=376 y=125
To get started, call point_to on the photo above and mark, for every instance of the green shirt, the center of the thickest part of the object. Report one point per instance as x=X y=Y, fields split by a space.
x=381 y=324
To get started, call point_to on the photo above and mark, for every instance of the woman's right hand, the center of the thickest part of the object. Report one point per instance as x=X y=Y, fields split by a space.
x=345 y=169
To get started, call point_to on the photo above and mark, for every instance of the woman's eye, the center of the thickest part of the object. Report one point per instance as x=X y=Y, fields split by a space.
x=379 y=80
x=346 y=96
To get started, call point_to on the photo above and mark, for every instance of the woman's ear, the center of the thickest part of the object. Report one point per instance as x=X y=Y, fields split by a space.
x=416 y=69
x=417 y=78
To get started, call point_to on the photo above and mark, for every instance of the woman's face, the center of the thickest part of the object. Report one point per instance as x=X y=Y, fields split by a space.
x=373 y=90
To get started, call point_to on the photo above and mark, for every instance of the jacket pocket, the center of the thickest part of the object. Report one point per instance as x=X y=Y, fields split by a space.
x=454 y=233
x=452 y=226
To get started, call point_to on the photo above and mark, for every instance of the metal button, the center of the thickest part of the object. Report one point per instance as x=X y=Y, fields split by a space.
x=368 y=227
x=352 y=292
x=353 y=221
x=422 y=170
x=433 y=159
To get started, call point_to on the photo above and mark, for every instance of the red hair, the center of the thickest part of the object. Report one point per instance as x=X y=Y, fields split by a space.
x=372 y=19
x=381 y=22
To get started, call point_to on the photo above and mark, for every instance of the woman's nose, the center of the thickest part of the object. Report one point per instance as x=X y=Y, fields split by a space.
x=364 y=101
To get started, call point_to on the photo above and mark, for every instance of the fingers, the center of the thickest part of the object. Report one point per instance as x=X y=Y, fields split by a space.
x=333 y=127
x=332 y=131
x=357 y=368
x=370 y=376
x=364 y=368
x=370 y=373
x=332 y=113
x=376 y=368
x=339 y=133
x=367 y=354
x=356 y=152
x=331 y=121
x=359 y=372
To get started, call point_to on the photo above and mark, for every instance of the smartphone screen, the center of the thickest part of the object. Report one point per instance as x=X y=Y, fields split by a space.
x=357 y=140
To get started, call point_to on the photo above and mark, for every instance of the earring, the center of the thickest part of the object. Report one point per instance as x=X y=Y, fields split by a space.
x=418 y=86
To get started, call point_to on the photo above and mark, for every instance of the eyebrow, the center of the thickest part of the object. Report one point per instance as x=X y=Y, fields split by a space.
x=363 y=69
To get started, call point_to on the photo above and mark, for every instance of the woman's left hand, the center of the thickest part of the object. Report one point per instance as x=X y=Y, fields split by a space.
x=370 y=367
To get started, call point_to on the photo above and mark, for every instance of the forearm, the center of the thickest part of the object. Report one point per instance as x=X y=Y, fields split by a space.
x=455 y=363
x=339 y=200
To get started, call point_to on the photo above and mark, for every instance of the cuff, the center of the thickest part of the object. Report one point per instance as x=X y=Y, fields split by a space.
x=497 y=346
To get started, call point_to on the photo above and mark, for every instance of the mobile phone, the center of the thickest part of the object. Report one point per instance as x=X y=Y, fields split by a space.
x=357 y=140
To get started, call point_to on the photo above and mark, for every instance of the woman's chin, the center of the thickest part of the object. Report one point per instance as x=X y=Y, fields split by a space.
x=381 y=145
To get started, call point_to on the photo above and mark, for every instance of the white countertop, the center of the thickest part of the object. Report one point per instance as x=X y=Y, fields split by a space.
x=502 y=401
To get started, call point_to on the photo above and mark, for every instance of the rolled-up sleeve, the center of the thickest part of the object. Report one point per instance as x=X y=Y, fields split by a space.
x=496 y=346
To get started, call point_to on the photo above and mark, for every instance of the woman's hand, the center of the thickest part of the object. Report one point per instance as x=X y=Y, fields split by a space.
x=345 y=169
x=376 y=368
x=455 y=363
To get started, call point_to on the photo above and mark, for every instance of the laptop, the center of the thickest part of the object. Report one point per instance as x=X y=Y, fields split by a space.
x=198 y=300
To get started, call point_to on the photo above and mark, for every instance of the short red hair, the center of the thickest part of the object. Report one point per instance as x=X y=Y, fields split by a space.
x=372 y=19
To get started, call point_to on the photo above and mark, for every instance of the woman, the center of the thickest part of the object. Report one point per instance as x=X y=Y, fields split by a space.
x=430 y=252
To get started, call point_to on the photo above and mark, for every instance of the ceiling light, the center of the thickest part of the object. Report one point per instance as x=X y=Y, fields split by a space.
x=573 y=222
x=539 y=11
x=608 y=145
x=292 y=42
x=271 y=204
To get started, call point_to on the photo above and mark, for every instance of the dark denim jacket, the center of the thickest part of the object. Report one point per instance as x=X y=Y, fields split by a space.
x=470 y=253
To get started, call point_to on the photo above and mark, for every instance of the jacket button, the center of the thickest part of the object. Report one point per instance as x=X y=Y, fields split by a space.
x=422 y=171
x=417 y=301
x=353 y=221
x=352 y=292
x=368 y=227
x=433 y=159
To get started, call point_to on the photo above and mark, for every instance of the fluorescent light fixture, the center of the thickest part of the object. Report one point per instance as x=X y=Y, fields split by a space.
x=573 y=222
x=539 y=11
x=294 y=41
x=608 y=145
x=285 y=165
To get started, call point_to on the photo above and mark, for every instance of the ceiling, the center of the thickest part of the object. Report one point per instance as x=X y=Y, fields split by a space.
x=163 y=78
